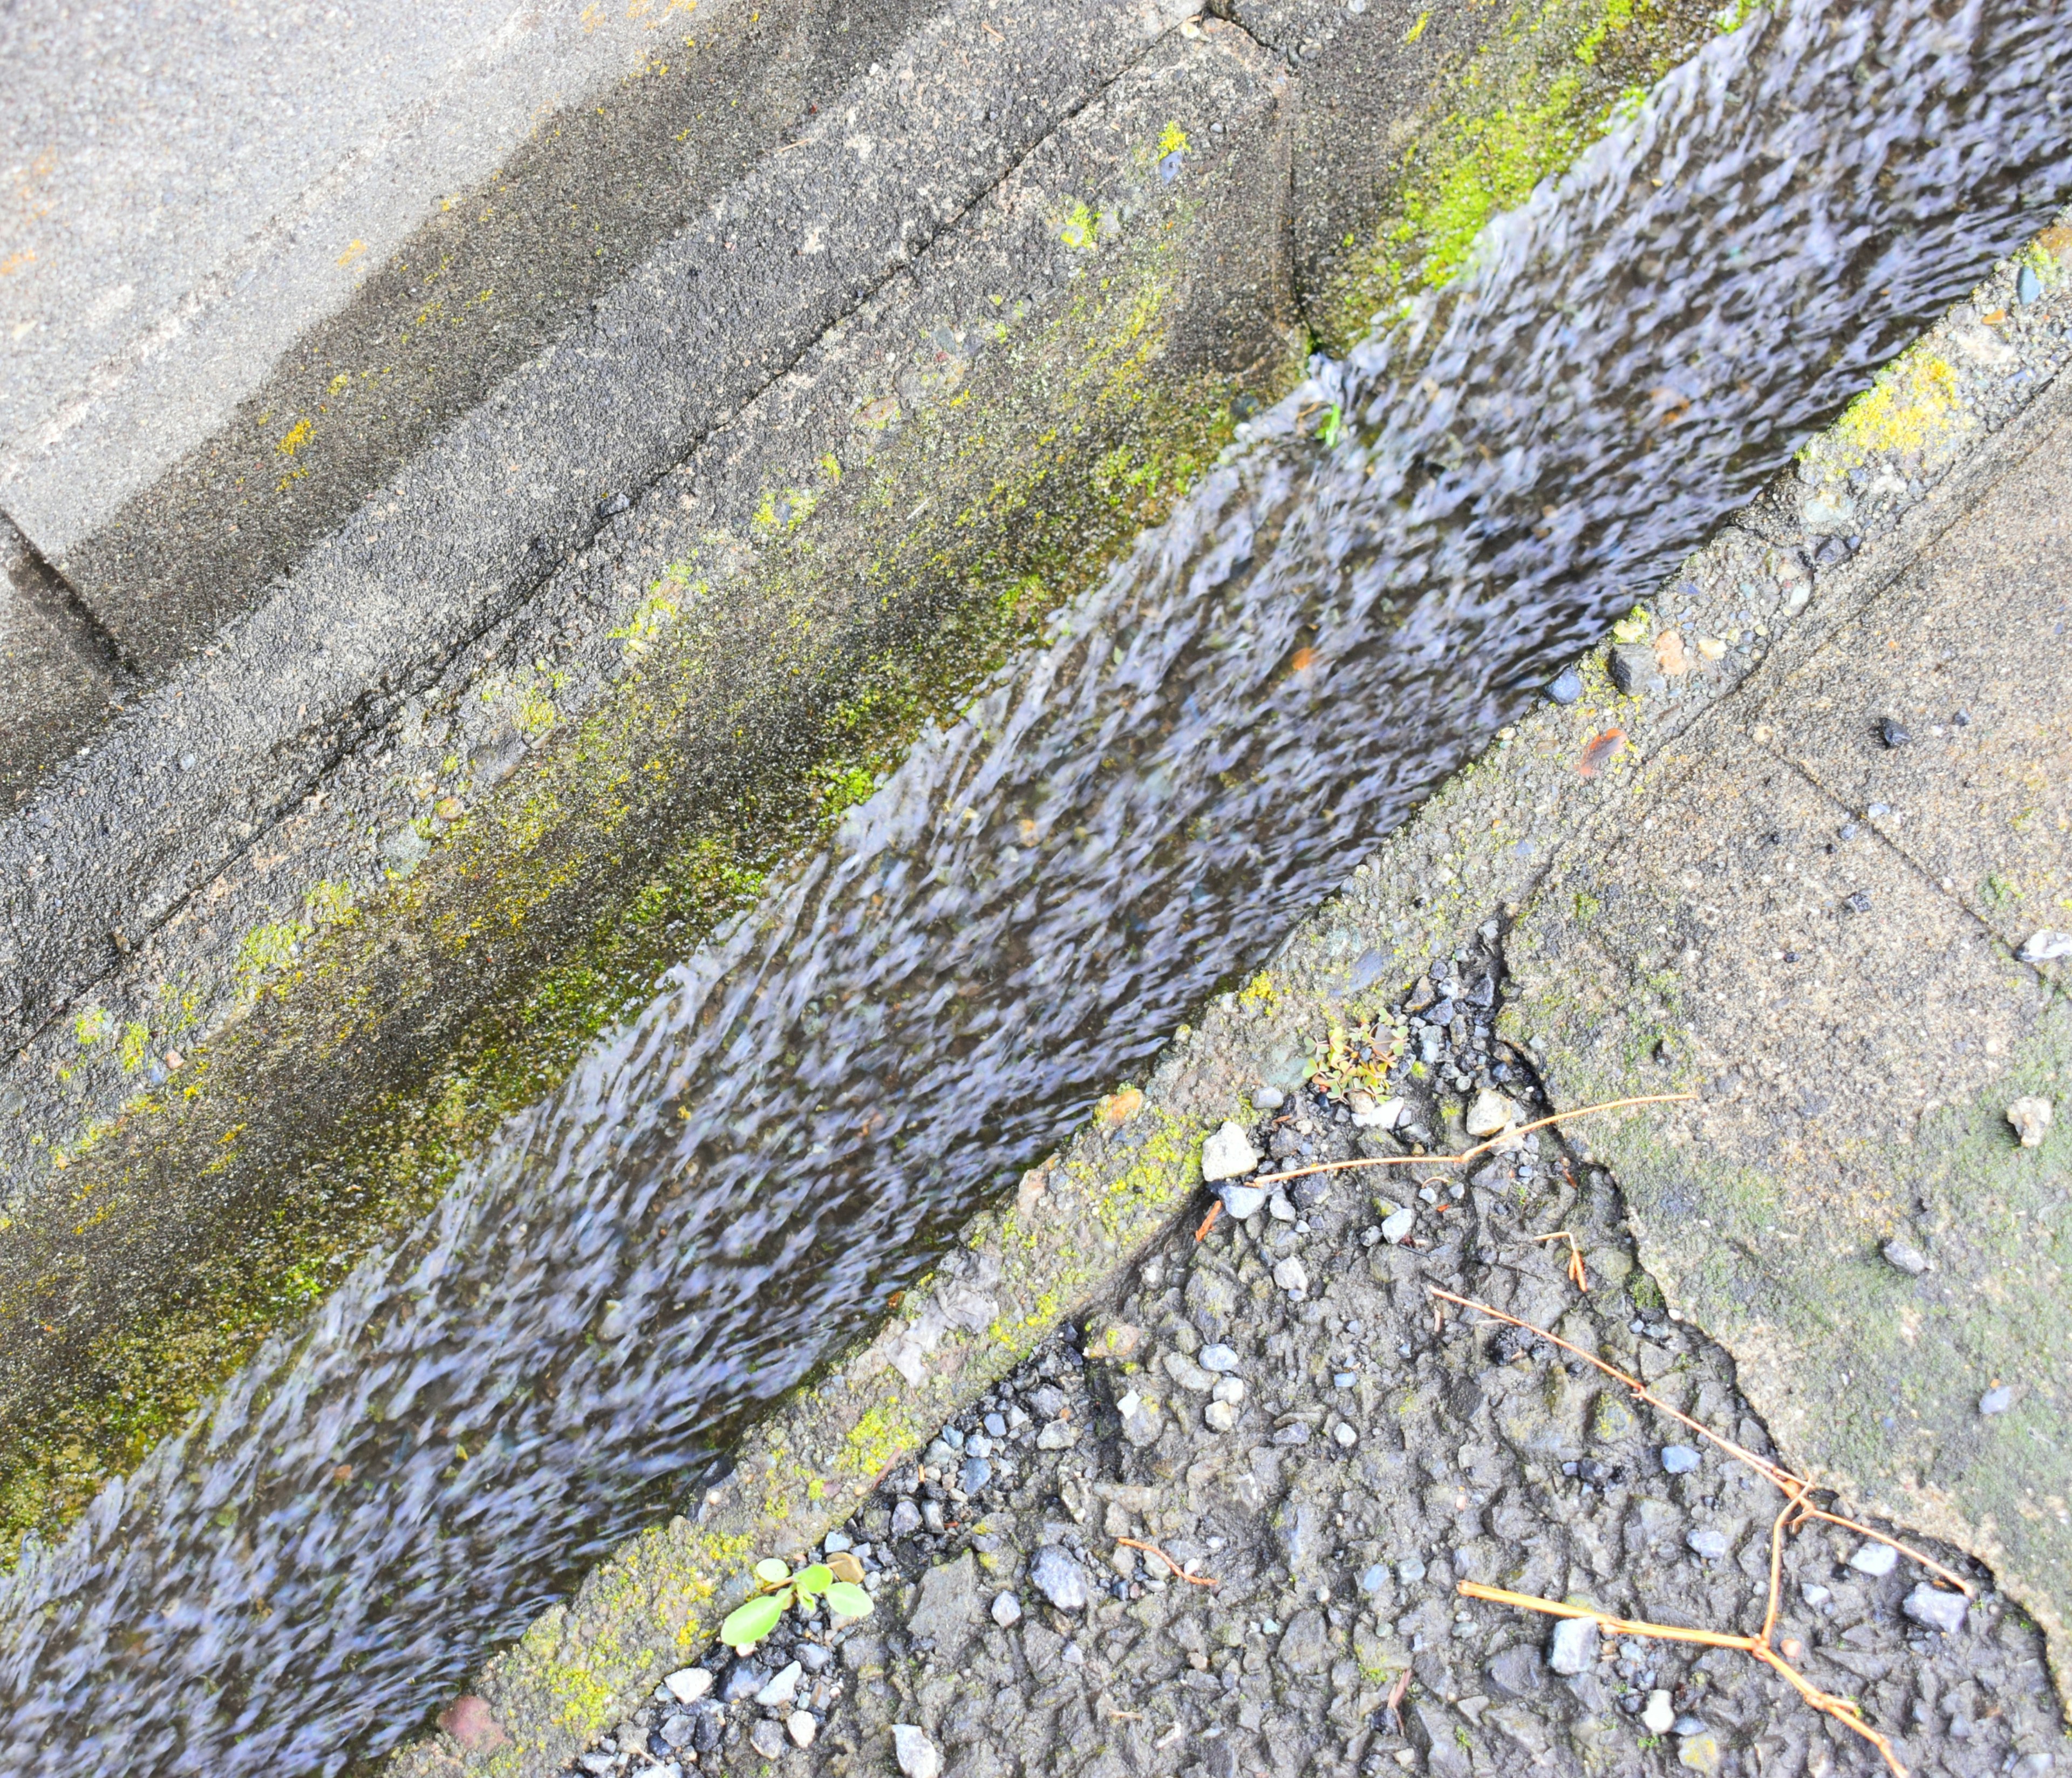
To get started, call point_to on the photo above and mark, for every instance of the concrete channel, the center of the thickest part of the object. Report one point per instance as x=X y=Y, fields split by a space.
x=348 y=732
x=1790 y=845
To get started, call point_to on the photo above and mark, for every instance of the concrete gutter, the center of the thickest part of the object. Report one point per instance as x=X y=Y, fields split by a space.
x=1644 y=857
x=517 y=693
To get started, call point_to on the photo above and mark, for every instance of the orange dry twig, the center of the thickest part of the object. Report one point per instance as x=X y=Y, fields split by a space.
x=1795 y=1491
x=1152 y=1548
x=1209 y=1221
x=1577 y=1275
x=1480 y=1148
x=1845 y=1710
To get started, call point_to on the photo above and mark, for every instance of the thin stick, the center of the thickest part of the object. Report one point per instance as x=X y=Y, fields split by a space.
x=1192 y=1580
x=1209 y=1221
x=1776 y=1475
x=1481 y=1148
x=1841 y=1709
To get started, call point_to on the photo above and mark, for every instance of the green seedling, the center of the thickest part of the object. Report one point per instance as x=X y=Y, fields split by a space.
x=748 y=1625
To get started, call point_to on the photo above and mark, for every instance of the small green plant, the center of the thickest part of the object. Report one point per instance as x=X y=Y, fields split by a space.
x=1331 y=428
x=749 y=1623
x=1358 y=1057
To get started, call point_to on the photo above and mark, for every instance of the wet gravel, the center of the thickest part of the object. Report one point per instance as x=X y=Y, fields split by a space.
x=1281 y=1408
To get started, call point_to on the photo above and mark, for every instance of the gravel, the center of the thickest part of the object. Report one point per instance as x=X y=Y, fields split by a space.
x=1015 y=1635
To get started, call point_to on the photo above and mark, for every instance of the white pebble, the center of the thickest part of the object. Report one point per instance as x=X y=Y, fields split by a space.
x=915 y=1752
x=1228 y=1154
x=800 y=1726
x=688 y=1684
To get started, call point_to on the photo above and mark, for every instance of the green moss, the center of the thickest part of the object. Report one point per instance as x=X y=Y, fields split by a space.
x=1556 y=76
x=554 y=910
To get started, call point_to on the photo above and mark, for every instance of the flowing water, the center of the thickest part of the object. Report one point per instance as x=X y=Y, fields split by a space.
x=728 y=1186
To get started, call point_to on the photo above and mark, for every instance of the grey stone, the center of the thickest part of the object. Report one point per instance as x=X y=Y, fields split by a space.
x=1518 y=1670
x=1291 y=1275
x=1572 y=1649
x=1272 y=1098
x=1937 y=1607
x=1220 y=1416
x=1636 y=672
x=1228 y=1153
x=1996 y=1400
x=1006 y=1610
x=1710 y=1544
x=915 y=1752
x=1660 y=1715
x=688 y=1684
x=2045 y=946
x=1490 y=1114
x=1902 y=1256
x=905 y=1519
x=1566 y=687
x=1058 y=1576
x=945 y=1607
x=800 y=1726
x=1679 y=1459
x=1189 y=1375
x=1304 y=1647
x=1878 y=1560
x=1410 y=1569
x=784 y=1686
x=1140 y=1421
x=974 y=1474
x=1396 y=1226
x=1222 y=1359
x=1242 y=1201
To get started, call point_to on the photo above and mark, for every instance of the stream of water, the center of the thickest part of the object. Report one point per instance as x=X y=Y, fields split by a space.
x=728 y=1186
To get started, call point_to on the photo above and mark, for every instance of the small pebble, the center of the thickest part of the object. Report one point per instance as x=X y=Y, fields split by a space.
x=1006 y=1611
x=800 y=1726
x=1059 y=1579
x=688 y=1684
x=1878 y=1560
x=2045 y=947
x=1893 y=732
x=1905 y=1257
x=1573 y=1649
x=1566 y=687
x=1396 y=1225
x=1219 y=1416
x=1660 y=1713
x=1678 y=1459
x=1706 y=1543
x=1278 y=1208
x=1228 y=1154
x=2031 y=1118
x=1690 y=1725
x=1345 y=1436
x=1937 y=1608
x=1222 y=1359
x=782 y=1688
x=915 y=1752
x=2027 y=286
x=1269 y=1098
x=767 y=1739
x=1410 y=1570
x=1242 y=1201
x=1996 y=1400
x=1291 y=1275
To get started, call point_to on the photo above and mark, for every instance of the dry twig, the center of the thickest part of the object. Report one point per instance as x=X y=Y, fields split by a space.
x=1192 y=1580
x=1480 y=1148
x=1796 y=1511
x=1577 y=1275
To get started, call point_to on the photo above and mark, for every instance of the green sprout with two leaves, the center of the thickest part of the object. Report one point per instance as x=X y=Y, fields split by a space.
x=779 y=1587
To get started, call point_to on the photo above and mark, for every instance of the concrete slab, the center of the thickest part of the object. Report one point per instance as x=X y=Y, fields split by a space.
x=1839 y=990
x=193 y=186
x=1967 y=655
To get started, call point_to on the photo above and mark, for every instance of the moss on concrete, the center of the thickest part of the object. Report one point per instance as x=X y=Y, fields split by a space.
x=905 y=579
x=1538 y=90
